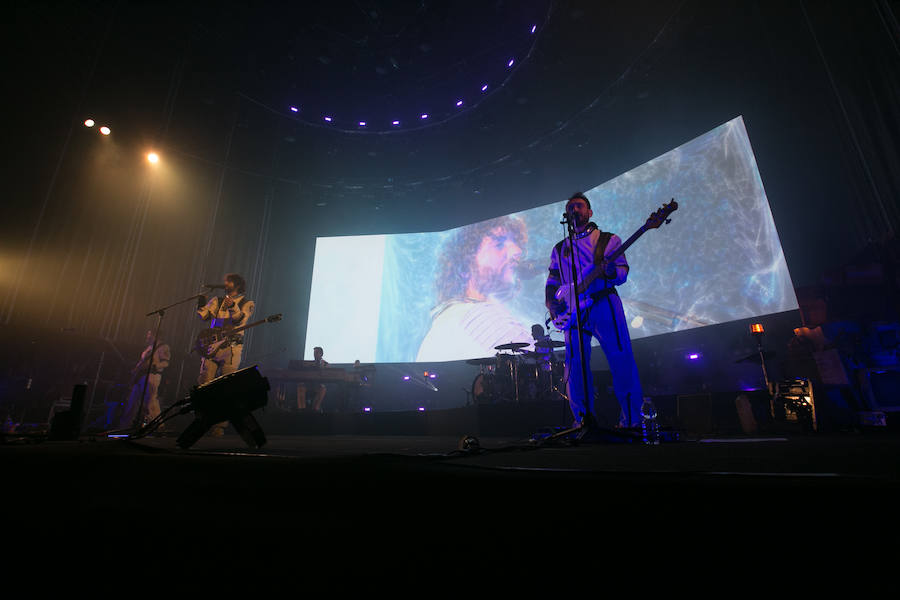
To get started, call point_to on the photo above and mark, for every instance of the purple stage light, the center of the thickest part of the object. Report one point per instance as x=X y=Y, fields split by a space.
x=459 y=102
x=433 y=376
x=362 y=123
x=406 y=378
x=421 y=409
x=510 y=63
x=328 y=119
x=484 y=88
x=424 y=116
x=367 y=409
x=693 y=356
x=395 y=123
x=295 y=109
x=533 y=28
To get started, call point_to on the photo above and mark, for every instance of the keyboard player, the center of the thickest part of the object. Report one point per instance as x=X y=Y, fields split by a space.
x=318 y=390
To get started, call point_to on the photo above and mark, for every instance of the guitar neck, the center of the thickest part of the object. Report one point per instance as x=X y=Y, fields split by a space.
x=243 y=327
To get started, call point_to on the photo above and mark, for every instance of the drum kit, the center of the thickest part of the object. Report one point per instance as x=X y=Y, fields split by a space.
x=518 y=375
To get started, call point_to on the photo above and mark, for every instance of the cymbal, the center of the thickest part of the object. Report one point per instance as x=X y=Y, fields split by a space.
x=549 y=344
x=482 y=361
x=511 y=346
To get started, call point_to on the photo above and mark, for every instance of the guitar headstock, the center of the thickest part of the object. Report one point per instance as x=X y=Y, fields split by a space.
x=273 y=318
x=661 y=216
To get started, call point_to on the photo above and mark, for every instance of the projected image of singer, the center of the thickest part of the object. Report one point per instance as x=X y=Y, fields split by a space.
x=476 y=275
x=603 y=319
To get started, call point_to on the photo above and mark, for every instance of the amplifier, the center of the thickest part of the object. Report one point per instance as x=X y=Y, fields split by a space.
x=880 y=388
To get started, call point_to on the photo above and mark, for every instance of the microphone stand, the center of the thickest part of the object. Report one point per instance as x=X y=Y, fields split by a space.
x=160 y=313
x=587 y=420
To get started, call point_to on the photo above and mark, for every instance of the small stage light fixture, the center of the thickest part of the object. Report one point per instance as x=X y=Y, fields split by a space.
x=89 y=123
x=105 y=130
x=153 y=157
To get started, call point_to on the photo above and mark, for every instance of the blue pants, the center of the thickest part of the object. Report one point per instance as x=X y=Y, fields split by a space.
x=604 y=320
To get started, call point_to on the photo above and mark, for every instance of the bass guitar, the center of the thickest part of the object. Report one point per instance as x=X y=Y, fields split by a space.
x=210 y=340
x=566 y=293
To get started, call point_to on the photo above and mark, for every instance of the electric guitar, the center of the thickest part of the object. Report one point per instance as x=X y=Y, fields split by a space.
x=210 y=340
x=566 y=293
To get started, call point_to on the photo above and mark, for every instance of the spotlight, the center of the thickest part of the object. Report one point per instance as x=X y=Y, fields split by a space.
x=484 y=88
x=295 y=109
x=153 y=157
x=395 y=123
x=421 y=409
x=533 y=28
x=510 y=63
x=756 y=328
x=89 y=123
x=362 y=123
x=328 y=119
x=406 y=378
x=693 y=356
x=424 y=116
x=459 y=102
x=105 y=130
x=367 y=409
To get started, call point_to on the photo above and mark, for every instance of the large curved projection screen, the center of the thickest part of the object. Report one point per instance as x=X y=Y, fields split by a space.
x=456 y=294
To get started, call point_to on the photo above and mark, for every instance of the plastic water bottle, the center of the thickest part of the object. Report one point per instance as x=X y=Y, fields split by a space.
x=649 y=425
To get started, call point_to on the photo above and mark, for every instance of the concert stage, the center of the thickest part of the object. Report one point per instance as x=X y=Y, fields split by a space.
x=333 y=501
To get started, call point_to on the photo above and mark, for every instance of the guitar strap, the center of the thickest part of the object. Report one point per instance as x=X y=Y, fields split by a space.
x=221 y=300
x=603 y=238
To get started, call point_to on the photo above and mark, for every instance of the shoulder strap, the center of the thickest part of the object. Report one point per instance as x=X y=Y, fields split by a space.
x=602 y=243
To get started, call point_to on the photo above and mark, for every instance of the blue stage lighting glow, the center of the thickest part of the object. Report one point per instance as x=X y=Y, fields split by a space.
x=295 y=109
x=329 y=119
x=510 y=63
x=533 y=28
x=459 y=102
x=395 y=123
x=484 y=88
x=424 y=116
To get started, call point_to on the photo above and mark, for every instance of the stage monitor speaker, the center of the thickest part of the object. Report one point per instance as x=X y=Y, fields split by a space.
x=695 y=413
x=228 y=398
x=66 y=424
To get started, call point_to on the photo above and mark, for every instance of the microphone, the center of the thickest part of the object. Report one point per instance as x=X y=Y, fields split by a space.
x=566 y=218
x=213 y=286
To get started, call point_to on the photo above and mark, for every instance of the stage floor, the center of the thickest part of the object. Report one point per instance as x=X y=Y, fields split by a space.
x=411 y=496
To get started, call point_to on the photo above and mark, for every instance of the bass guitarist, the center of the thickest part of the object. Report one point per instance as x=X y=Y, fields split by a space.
x=603 y=318
x=230 y=311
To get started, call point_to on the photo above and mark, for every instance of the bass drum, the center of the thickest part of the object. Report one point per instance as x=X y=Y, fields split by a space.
x=484 y=389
